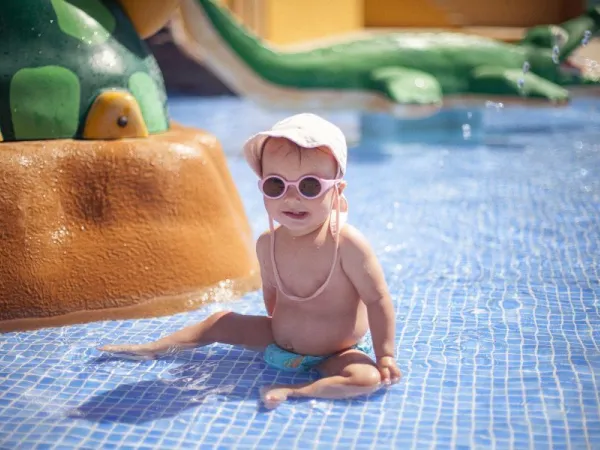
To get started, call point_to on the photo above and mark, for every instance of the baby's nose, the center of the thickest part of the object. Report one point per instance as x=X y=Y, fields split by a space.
x=292 y=194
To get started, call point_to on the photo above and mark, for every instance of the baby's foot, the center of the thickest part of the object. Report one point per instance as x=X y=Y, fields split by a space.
x=144 y=351
x=273 y=396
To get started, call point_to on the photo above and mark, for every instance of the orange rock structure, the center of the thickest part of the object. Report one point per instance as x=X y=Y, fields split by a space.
x=93 y=230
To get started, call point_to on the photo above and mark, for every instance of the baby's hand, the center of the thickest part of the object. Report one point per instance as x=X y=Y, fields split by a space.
x=389 y=370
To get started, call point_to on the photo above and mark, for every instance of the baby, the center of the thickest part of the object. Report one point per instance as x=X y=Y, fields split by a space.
x=323 y=287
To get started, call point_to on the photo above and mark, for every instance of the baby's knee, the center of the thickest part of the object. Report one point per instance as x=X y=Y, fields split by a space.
x=364 y=375
x=220 y=319
x=221 y=316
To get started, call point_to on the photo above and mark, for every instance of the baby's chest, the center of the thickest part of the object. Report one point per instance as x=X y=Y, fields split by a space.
x=304 y=279
x=302 y=266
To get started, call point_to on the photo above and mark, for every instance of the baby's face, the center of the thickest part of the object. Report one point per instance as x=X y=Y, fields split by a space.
x=285 y=159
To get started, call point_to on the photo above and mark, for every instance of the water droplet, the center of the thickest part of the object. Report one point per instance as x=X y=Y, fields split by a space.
x=521 y=83
x=526 y=67
x=586 y=37
x=51 y=20
x=466 y=130
x=555 y=53
x=389 y=225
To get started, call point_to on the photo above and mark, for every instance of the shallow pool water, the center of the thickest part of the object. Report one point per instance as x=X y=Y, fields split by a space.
x=490 y=242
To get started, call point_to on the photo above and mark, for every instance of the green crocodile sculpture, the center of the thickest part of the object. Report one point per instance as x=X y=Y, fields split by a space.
x=390 y=70
x=76 y=69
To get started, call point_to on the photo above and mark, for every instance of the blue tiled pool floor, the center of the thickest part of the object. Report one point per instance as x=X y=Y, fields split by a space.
x=491 y=254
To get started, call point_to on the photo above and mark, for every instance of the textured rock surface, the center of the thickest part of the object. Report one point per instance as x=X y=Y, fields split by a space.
x=107 y=229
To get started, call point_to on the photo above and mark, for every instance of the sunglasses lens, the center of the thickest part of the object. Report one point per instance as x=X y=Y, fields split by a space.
x=310 y=187
x=273 y=187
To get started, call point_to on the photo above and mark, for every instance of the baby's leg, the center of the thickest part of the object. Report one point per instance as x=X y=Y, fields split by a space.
x=349 y=374
x=223 y=327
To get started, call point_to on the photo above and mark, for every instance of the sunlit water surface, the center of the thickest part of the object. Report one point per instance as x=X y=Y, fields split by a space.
x=489 y=237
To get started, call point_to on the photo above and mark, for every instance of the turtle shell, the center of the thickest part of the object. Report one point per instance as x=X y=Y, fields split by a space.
x=57 y=57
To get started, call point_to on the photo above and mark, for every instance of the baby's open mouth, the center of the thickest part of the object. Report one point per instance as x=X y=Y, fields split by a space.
x=296 y=214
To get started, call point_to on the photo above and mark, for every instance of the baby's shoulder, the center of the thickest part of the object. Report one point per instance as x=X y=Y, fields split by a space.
x=263 y=242
x=352 y=242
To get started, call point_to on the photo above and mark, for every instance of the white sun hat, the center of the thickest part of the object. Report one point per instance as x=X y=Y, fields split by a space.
x=308 y=131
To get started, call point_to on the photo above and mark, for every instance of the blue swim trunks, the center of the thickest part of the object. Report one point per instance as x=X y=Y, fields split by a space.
x=282 y=359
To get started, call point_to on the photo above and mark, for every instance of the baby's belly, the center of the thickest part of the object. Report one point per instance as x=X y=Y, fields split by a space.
x=313 y=333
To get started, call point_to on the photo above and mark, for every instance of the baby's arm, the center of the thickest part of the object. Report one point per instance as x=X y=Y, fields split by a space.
x=362 y=267
x=264 y=259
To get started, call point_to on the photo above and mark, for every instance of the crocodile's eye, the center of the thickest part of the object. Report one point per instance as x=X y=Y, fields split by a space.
x=114 y=115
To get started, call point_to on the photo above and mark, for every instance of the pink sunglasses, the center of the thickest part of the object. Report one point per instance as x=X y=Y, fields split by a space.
x=309 y=186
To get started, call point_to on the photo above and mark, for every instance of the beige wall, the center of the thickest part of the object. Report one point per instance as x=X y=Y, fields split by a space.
x=406 y=13
x=293 y=21
x=284 y=22
x=296 y=20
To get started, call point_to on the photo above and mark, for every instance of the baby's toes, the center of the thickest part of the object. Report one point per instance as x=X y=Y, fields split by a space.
x=272 y=397
x=137 y=350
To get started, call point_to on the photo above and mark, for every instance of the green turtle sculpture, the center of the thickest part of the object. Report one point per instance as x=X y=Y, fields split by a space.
x=76 y=69
x=107 y=210
x=407 y=73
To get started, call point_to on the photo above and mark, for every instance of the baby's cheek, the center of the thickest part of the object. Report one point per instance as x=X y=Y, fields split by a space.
x=268 y=203
x=272 y=206
x=322 y=208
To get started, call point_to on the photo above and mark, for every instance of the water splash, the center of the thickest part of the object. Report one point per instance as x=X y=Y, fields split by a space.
x=496 y=105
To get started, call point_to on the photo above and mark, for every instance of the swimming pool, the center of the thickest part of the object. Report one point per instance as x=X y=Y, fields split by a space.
x=490 y=246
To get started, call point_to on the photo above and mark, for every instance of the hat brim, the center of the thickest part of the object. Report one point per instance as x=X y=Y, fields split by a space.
x=254 y=146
